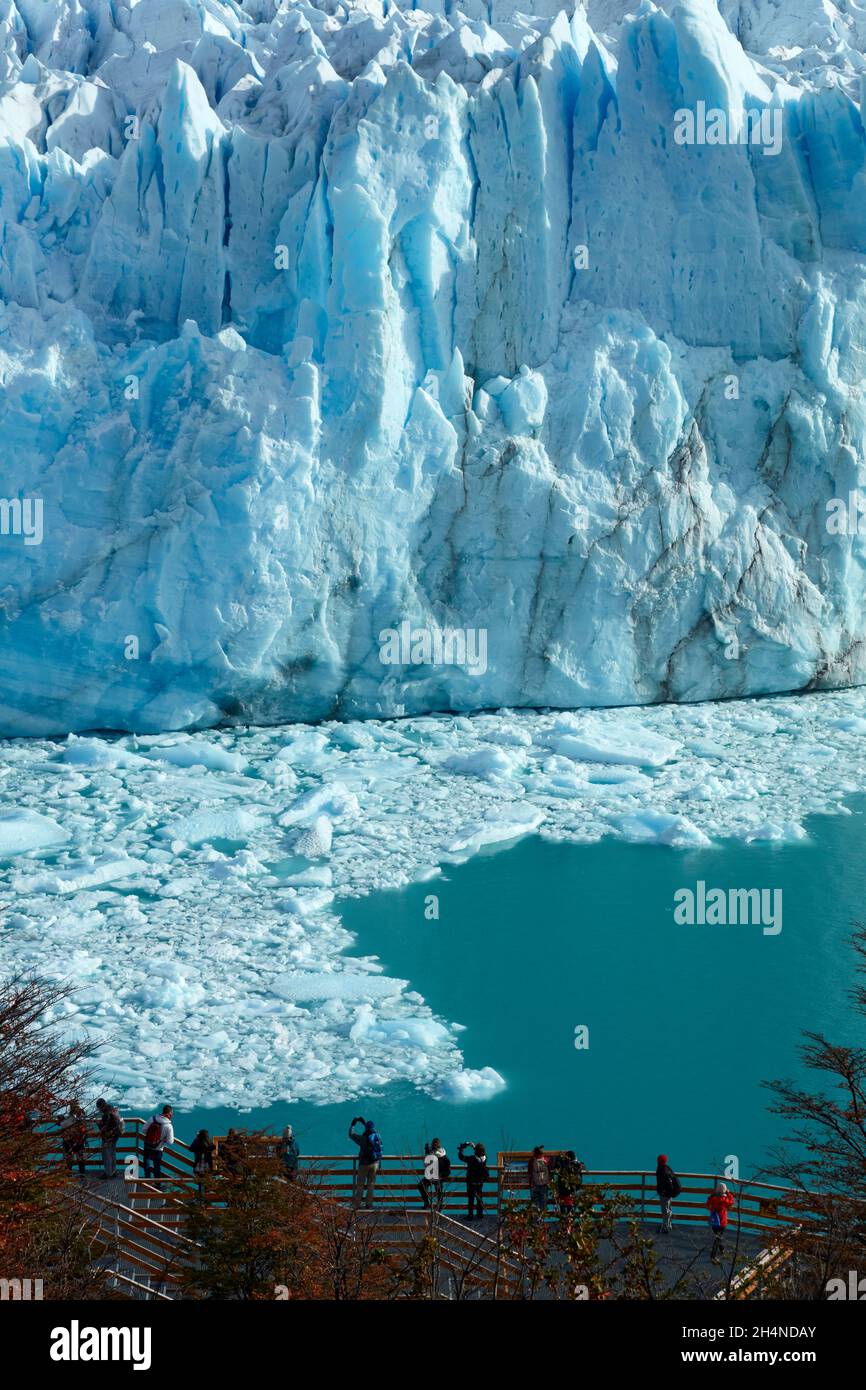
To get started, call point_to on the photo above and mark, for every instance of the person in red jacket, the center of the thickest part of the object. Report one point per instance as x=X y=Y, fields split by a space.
x=719 y=1202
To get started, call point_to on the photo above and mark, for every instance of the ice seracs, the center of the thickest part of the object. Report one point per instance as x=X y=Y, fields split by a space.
x=317 y=319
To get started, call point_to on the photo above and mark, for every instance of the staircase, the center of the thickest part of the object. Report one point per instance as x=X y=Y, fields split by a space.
x=466 y=1262
x=137 y=1249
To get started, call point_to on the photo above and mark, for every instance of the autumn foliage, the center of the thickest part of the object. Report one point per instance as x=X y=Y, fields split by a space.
x=42 y=1234
x=262 y=1237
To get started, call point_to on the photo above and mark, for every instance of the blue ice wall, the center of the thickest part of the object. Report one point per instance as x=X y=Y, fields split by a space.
x=319 y=320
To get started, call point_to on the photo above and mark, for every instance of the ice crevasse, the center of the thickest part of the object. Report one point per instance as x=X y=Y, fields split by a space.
x=321 y=319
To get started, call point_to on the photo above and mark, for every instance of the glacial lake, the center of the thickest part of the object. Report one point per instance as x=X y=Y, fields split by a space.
x=685 y=1022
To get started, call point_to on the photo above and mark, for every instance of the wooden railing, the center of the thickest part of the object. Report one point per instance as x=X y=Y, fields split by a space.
x=177 y=1160
x=759 y=1207
x=143 y=1235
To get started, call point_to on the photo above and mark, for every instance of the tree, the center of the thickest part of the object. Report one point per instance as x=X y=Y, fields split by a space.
x=597 y=1250
x=263 y=1237
x=826 y=1167
x=42 y=1233
x=253 y=1231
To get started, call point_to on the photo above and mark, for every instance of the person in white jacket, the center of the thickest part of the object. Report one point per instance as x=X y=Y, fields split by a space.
x=159 y=1132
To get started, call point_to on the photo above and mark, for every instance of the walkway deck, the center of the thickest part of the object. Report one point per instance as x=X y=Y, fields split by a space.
x=144 y=1219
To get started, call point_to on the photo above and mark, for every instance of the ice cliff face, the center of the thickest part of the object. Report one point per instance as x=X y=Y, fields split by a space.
x=323 y=322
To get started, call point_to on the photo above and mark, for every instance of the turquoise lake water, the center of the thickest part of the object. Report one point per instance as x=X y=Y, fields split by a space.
x=685 y=1022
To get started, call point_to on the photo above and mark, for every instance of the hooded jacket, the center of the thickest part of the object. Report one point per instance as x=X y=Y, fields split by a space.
x=367 y=1143
x=720 y=1202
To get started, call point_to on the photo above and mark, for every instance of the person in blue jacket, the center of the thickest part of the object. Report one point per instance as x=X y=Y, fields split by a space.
x=369 y=1158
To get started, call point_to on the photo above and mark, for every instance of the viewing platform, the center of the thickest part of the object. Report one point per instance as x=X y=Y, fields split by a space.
x=144 y=1218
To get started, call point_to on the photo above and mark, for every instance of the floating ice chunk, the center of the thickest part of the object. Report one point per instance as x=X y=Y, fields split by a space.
x=705 y=748
x=424 y=1033
x=505 y=823
x=315 y=842
x=198 y=753
x=98 y=752
x=481 y=762
x=508 y=737
x=605 y=742
x=364 y=1020
x=316 y=876
x=468 y=1084
x=167 y=987
x=308 y=750
x=563 y=784
x=23 y=831
x=782 y=831
x=420 y=1032
x=303 y=986
x=221 y=823
x=179 y=887
x=82 y=964
x=626 y=777
x=305 y=903
x=331 y=797
x=662 y=828
x=107 y=869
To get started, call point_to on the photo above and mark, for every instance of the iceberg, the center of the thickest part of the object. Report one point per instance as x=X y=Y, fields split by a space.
x=319 y=319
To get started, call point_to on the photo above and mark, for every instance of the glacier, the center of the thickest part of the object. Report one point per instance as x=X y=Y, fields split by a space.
x=321 y=318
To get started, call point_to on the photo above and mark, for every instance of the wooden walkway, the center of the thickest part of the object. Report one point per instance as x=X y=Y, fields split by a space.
x=143 y=1219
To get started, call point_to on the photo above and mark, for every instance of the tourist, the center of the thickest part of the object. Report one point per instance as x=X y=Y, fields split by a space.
x=73 y=1138
x=159 y=1132
x=437 y=1171
x=111 y=1127
x=289 y=1153
x=477 y=1174
x=202 y=1149
x=369 y=1158
x=719 y=1202
x=567 y=1176
x=668 y=1186
x=230 y=1152
x=539 y=1178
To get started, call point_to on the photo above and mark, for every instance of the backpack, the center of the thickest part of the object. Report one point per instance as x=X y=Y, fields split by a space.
x=374 y=1146
x=444 y=1168
x=676 y=1186
x=153 y=1134
x=115 y=1126
x=568 y=1174
x=540 y=1172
